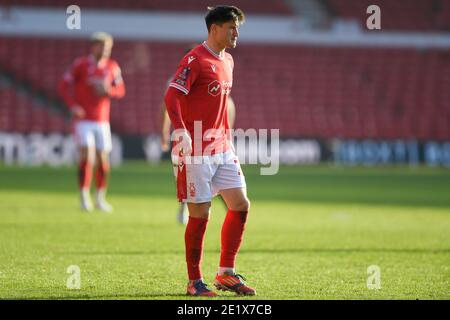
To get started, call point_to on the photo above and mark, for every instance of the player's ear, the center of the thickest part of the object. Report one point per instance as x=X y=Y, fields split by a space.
x=214 y=28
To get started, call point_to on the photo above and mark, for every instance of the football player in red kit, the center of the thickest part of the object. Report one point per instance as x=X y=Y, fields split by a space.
x=196 y=102
x=87 y=88
x=182 y=216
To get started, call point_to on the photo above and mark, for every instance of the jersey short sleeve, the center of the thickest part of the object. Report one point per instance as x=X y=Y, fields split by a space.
x=117 y=73
x=186 y=74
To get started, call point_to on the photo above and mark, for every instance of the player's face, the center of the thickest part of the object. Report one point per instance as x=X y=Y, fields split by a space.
x=101 y=50
x=228 y=33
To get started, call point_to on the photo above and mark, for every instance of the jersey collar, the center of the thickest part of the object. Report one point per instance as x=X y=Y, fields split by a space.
x=204 y=44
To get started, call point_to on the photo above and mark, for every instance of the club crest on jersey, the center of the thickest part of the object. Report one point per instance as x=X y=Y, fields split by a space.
x=192 y=189
x=190 y=59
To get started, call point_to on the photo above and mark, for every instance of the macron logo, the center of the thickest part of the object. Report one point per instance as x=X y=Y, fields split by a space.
x=190 y=59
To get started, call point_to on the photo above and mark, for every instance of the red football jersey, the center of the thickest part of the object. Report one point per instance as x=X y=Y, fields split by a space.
x=206 y=80
x=83 y=75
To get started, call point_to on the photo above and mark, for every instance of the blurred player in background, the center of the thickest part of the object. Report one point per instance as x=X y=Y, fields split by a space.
x=198 y=93
x=182 y=216
x=87 y=88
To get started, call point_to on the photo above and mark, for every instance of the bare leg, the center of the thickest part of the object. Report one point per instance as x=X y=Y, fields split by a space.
x=102 y=171
x=85 y=167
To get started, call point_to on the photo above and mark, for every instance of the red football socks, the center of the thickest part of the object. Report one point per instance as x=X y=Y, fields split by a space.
x=193 y=237
x=232 y=233
x=101 y=175
x=84 y=174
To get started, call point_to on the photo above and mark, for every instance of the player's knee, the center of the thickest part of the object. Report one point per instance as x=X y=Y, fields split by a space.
x=104 y=163
x=86 y=154
x=247 y=205
x=243 y=205
x=87 y=160
x=202 y=211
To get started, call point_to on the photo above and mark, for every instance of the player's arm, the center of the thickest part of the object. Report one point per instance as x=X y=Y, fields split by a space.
x=65 y=89
x=229 y=120
x=165 y=128
x=173 y=106
x=181 y=84
x=231 y=109
x=117 y=88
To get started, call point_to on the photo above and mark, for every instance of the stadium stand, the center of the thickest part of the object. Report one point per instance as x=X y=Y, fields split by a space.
x=401 y=15
x=17 y=114
x=306 y=91
x=273 y=7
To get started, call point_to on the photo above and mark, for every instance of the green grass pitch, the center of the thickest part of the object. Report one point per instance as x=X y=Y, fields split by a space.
x=312 y=233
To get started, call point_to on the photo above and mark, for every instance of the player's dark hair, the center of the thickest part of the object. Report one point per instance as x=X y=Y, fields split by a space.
x=222 y=14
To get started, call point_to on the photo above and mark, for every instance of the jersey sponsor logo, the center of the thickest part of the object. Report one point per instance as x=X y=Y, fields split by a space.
x=190 y=59
x=214 y=88
x=226 y=87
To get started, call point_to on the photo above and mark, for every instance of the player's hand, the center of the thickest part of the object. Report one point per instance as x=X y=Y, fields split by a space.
x=102 y=88
x=78 y=112
x=184 y=141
